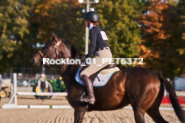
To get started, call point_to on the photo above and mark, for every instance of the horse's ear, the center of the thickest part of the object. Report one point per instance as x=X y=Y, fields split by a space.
x=62 y=40
x=54 y=36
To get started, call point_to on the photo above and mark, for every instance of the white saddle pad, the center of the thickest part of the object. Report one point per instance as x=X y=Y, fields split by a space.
x=99 y=81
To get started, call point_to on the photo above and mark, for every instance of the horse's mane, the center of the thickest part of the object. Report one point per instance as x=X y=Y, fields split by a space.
x=75 y=52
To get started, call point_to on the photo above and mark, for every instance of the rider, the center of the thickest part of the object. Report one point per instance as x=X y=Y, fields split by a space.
x=99 y=47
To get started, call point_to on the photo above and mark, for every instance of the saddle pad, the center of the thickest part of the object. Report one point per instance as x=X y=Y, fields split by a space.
x=99 y=81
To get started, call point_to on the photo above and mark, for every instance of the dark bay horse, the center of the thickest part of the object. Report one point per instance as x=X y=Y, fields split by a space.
x=140 y=87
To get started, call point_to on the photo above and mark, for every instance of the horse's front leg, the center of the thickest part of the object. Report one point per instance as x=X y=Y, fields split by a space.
x=79 y=114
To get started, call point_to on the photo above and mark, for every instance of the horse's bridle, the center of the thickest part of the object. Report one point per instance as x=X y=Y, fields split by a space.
x=57 y=43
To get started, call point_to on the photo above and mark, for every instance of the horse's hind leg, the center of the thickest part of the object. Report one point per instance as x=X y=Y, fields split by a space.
x=156 y=116
x=142 y=100
x=139 y=115
x=153 y=110
x=140 y=103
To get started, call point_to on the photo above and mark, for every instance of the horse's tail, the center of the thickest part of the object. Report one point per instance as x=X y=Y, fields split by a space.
x=173 y=99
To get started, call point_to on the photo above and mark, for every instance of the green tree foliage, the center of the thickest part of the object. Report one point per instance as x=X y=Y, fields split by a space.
x=119 y=20
x=162 y=39
x=181 y=15
x=63 y=17
x=14 y=25
x=32 y=22
x=24 y=23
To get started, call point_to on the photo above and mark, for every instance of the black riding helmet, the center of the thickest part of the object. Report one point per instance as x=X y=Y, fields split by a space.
x=92 y=16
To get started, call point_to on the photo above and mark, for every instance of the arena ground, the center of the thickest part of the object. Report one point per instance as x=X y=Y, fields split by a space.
x=66 y=115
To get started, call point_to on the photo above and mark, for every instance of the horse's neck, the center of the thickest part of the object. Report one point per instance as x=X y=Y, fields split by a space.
x=68 y=73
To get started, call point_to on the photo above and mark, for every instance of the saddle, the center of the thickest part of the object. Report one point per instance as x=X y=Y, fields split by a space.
x=106 y=69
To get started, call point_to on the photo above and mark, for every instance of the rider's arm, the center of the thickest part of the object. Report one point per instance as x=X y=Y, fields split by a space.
x=93 y=38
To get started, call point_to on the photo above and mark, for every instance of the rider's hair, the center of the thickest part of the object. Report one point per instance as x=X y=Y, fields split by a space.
x=94 y=23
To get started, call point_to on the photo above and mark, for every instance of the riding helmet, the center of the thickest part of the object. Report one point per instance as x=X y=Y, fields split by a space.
x=92 y=16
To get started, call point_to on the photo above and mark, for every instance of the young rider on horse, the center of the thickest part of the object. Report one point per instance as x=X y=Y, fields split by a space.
x=100 y=48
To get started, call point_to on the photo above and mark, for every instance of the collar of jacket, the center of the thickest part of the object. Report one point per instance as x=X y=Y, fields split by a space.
x=91 y=26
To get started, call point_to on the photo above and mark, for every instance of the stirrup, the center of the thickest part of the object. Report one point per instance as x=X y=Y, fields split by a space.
x=82 y=96
x=89 y=100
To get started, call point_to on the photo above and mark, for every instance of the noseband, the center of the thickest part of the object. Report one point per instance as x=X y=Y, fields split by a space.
x=57 y=43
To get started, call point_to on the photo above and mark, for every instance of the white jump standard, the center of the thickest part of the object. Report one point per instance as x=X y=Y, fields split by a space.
x=15 y=93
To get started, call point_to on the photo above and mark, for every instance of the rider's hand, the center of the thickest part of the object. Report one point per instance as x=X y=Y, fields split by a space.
x=83 y=58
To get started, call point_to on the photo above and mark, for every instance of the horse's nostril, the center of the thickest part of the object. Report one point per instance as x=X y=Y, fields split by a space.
x=32 y=61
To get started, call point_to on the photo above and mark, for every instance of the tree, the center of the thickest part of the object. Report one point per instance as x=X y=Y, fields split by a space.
x=13 y=28
x=31 y=22
x=181 y=15
x=60 y=16
x=162 y=39
x=118 y=20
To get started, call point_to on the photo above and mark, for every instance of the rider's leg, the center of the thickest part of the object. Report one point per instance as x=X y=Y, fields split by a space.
x=91 y=69
x=89 y=87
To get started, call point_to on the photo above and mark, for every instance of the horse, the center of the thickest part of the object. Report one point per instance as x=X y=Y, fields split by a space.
x=137 y=86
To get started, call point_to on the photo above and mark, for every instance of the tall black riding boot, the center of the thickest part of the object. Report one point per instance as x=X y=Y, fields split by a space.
x=89 y=87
